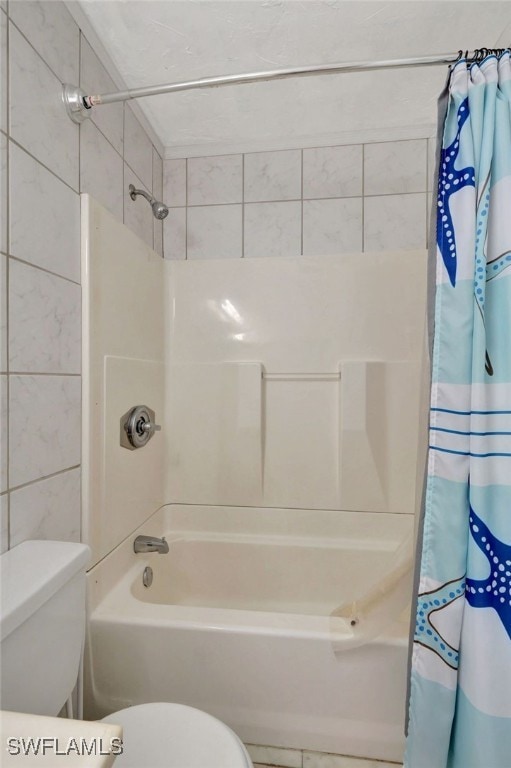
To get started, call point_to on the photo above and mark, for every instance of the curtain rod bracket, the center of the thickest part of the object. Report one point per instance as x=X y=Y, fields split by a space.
x=75 y=101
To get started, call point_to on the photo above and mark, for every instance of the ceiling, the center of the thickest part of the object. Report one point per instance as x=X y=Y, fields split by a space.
x=158 y=41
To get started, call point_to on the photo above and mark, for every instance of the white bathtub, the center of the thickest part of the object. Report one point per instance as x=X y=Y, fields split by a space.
x=237 y=622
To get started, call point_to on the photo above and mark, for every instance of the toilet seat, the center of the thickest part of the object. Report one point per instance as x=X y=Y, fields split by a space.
x=163 y=735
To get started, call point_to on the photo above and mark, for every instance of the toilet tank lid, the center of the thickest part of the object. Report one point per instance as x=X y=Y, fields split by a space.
x=31 y=573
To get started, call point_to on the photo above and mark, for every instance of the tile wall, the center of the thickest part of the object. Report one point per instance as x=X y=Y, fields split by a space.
x=327 y=200
x=45 y=162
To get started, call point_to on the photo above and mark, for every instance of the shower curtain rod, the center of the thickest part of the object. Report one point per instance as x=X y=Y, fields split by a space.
x=79 y=103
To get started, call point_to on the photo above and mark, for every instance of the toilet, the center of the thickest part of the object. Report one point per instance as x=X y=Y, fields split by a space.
x=42 y=630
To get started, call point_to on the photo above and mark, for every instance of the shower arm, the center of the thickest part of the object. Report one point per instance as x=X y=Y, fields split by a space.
x=79 y=104
x=134 y=192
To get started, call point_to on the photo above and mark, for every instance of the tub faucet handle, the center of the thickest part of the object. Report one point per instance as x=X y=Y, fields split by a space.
x=150 y=427
x=138 y=426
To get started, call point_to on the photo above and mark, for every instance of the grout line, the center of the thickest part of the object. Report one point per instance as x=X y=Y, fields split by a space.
x=186 y=208
x=79 y=467
x=56 y=374
x=106 y=138
x=44 y=477
x=298 y=199
x=142 y=184
x=17 y=144
x=43 y=269
x=242 y=206
x=301 y=200
x=137 y=174
x=7 y=280
x=80 y=42
x=428 y=193
x=363 y=198
x=153 y=225
x=123 y=163
x=429 y=180
x=152 y=172
x=80 y=126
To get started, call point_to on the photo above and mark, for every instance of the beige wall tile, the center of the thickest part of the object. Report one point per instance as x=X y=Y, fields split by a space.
x=272 y=229
x=332 y=172
x=215 y=180
x=214 y=232
x=394 y=167
x=273 y=176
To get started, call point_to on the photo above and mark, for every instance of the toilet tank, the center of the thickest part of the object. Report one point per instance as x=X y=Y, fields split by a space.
x=42 y=624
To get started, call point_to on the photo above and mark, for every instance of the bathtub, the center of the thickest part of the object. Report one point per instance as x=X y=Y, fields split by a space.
x=238 y=622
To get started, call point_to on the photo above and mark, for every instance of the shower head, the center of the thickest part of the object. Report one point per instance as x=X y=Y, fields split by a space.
x=160 y=210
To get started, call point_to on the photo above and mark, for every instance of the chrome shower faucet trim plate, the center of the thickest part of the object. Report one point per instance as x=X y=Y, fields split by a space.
x=137 y=427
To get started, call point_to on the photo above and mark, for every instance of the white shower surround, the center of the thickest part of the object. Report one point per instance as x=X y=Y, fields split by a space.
x=279 y=382
x=289 y=406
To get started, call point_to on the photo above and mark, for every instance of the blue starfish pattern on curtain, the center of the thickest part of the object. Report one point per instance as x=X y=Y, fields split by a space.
x=494 y=591
x=450 y=181
x=426 y=633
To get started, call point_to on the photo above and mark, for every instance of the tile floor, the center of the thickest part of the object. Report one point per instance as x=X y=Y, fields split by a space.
x=270 y=757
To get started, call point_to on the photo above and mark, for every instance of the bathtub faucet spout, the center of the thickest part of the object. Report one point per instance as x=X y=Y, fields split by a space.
x=150 y=544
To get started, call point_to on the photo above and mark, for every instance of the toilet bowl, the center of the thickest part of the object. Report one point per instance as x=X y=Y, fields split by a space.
x=176 y=736
x=43 y=596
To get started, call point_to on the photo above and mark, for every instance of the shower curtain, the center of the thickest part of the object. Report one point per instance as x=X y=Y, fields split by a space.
x=460 y=687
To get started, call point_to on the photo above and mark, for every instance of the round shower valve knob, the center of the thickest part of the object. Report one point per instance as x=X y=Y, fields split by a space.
x=137 y=427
